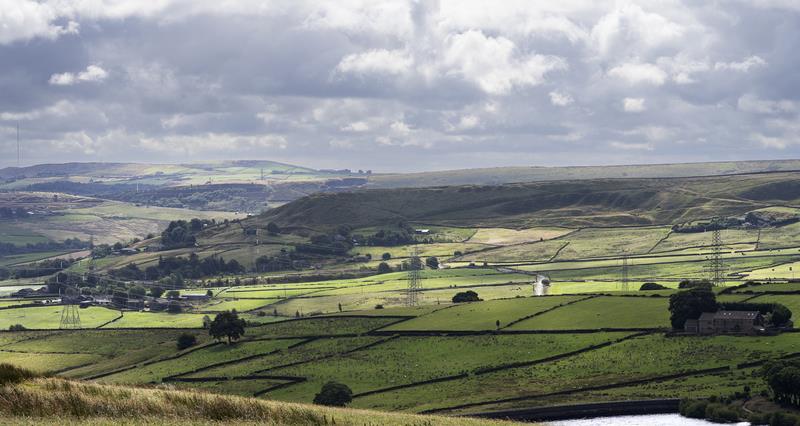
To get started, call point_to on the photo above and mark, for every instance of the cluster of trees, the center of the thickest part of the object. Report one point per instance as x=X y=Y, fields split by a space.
x=387 y=238
x=466 y=296
x=180 y=233
x=651 y=286
x=337 y=244
x=279 y=262
x=38 y=269
x=411 y=264
x=170 y=267
x=68 y=244
x=783 y=379
x=690 y=304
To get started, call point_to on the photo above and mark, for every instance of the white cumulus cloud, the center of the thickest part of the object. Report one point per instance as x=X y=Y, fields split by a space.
x=91 y=73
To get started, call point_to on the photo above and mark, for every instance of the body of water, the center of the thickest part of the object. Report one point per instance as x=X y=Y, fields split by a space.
x=646 y=420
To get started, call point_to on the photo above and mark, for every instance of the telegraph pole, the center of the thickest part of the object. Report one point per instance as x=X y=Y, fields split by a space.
x=18 y=151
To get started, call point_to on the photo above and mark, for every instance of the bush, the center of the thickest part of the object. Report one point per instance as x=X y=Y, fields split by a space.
x=186 y=340
x=651 y=286
x=16 y=327
x=466 y=296
x=334 y=394
x=693 y=409
x=783 y=419
x=10 y=374
x=719 y=413
x=384 y=268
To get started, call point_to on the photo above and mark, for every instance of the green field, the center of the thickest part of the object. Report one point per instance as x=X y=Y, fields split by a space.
x=603 y=312
x=482 y=315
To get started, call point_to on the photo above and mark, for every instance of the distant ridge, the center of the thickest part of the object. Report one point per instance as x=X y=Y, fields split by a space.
x=501 y=175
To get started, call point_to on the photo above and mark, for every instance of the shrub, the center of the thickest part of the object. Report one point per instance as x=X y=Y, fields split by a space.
x=10 y=374
x=693 y=409
x=651 y=286
x=719 y=413
x=384 y=268
x=16 y=327
x=186 y=340
x=334 y=394
x=466 y=296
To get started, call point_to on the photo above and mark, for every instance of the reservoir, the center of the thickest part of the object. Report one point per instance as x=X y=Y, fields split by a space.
x=645 y=420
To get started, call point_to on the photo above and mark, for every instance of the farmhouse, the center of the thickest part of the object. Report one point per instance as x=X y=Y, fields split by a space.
x=720 y=322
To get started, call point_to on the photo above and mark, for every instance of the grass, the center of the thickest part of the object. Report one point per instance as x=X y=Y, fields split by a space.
x=503 y=236
x=482 y=315
x=412 y=359
x=157 y=319
x=598 y=242
x=637 y=358
x=603 y=312
x=153 y=373
x=113 y=348
x=318 y=349
x=49 y=317
x=58 y=401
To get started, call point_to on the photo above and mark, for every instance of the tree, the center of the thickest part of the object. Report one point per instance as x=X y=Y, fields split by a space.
x=432 y=262
x=173 y=294
x=384 y=268
x=210 y=293
x=138 y=292
x=156 y=291
x=273 y=228
x=690 y=304
x=186 y=340
x=334 y=394
x=174 y=308
x=466 y=296
x=780 y=315
x=227 y=324
x=386 y=256
x=651 y=286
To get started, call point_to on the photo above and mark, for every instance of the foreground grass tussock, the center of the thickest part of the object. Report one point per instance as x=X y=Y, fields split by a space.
x=56 y=400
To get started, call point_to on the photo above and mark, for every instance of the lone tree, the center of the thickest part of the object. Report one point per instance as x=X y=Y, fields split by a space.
x=334 y=394
x=466 y=296
x=273 y=228
x=386 y=256
x=228 y=325
x=690 y=304
x=432 y=262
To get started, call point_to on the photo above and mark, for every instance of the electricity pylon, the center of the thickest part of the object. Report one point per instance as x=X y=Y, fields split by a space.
x=624 y=280
x=716 y=267
x=413 y=278
x=70 y=315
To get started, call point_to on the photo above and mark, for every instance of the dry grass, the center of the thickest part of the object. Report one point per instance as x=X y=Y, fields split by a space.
x=51 y=401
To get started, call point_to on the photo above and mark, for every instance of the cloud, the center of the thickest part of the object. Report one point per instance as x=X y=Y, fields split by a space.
x=638 y=73
x=560 y=99
x=379 y=61
x=367 y=84
x=494 y=64
x=745 y=65
x=93 y=73
x=751 y=103
x=632 y=146
x=633 y=104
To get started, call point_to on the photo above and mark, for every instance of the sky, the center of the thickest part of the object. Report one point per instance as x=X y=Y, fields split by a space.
x=400 y=85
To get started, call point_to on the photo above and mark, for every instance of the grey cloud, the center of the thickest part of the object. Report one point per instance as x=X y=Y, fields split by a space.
x=400 y=85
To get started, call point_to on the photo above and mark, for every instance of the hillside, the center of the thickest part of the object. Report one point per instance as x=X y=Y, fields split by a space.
x=602 y=202
x=500 y=175
x=55 y=401
x=249 y=186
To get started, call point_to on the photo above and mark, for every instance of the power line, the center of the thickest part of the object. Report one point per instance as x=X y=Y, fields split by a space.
x=70 y=315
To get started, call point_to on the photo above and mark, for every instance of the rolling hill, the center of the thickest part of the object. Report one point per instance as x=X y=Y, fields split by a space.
x=576 y=203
